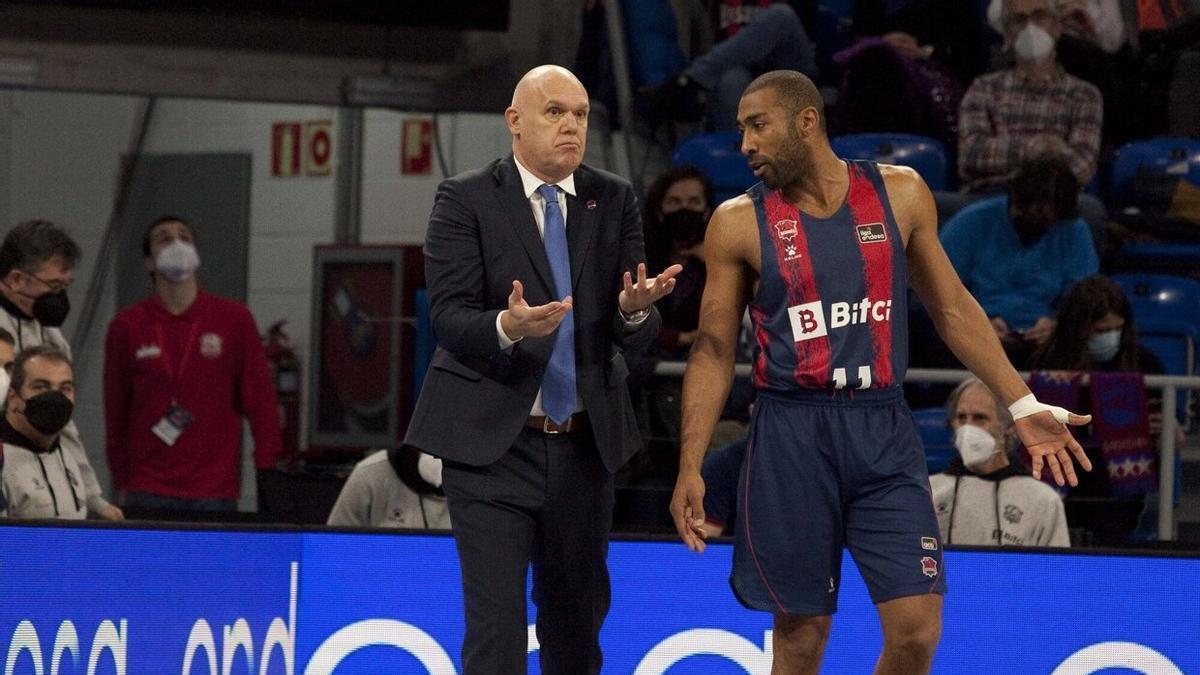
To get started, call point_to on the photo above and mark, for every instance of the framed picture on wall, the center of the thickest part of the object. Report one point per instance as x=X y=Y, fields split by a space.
x=355 y=396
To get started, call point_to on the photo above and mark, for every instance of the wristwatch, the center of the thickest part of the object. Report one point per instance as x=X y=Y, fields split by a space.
x=637 y=317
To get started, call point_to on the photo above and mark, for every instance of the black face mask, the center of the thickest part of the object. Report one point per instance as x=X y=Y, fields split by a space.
x=685 y=227
x=51 y=309
x=49 y=411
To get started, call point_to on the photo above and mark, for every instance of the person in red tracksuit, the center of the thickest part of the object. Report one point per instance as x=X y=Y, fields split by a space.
x=181 y=369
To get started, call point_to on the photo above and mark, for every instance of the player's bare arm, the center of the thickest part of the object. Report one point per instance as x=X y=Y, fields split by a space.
x=959 y=319
x=965 y=328
x=731 y=256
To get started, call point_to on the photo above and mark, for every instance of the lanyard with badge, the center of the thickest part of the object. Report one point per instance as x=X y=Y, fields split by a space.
x=177 y=419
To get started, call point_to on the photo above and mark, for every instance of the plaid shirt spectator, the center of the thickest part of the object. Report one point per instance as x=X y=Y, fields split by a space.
x=1003 y=113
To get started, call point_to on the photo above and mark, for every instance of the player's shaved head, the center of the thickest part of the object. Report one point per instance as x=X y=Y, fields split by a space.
x=795 y=91
x=533 y=81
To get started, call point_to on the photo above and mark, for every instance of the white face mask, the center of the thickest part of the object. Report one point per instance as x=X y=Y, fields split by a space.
x=975 y=445
x=1033 y=44
x=1104 y=346
x=5 y=379
x=177 y=261
x=430 y=469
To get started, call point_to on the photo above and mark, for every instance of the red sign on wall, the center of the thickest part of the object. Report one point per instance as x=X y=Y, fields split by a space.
x=318 y=148
x=285 y=149
x=416 y=147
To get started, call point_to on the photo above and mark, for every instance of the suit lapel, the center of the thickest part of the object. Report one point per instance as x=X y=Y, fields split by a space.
x=512 y=199
x=581 y=222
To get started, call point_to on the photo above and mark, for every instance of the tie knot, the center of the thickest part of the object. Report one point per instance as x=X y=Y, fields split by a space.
x=549 y=193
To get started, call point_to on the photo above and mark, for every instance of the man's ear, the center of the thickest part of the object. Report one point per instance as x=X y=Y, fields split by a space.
x=808 y=121
x=512 y=119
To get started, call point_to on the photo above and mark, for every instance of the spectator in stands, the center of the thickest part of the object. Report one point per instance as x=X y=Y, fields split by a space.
x=945 y=32
x=1098 y=21
x=181 y=369
x=675 y=216
x=752 y=37
x=909 y=67
x=1168 y=41
x=1030 y=109
x=985 y=498
x=8 y=354
x=397 y=487
x=1018 y=253
x=1096 y=333
x=1094 y=48
x=37 y=263
x=40 y=479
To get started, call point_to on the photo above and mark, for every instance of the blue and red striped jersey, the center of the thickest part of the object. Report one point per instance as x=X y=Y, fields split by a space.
x=830 y=310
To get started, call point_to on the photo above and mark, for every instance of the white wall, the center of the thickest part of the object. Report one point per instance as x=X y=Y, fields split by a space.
x=396 y=208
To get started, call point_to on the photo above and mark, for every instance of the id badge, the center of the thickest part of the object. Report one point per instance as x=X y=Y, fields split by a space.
x=173 y=424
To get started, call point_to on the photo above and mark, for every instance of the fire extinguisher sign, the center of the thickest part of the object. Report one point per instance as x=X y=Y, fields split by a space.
x=302 y=148
x=318 y=146
x=416 y=147
x=285 y=149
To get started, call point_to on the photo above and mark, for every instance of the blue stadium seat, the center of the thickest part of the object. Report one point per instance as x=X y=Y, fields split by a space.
x=719 y=155
x=1171 y=258
x=926 y=155
x=938 y=440
x=1174 y=156
x=1167 y=312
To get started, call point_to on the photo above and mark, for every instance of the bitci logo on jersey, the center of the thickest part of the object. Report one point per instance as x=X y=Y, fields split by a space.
x=808 y=319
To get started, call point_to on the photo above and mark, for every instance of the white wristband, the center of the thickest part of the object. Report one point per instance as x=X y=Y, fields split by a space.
x=1029 y=405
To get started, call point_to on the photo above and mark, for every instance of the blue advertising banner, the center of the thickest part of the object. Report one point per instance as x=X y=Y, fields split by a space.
x=104 y=601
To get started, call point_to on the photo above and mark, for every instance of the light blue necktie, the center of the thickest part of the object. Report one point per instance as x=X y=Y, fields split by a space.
x=558 y=387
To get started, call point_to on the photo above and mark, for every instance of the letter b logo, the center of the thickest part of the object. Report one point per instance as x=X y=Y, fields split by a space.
x=808 y=321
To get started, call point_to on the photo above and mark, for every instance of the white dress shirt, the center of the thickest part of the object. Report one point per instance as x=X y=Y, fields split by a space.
x=530 y=184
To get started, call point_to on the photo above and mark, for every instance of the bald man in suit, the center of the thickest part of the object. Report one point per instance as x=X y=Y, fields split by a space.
x=538 y=287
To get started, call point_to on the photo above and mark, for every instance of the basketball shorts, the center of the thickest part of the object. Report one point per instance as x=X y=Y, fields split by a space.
x=826 y=471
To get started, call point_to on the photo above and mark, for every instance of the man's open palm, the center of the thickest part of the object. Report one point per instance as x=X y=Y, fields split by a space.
x=1050 y=443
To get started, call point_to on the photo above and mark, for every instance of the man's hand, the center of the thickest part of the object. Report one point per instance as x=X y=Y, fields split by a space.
x=907 y=45
x=638 y=296
x=521 y=320
x=1074 y=14
x=1000 y=327
x=1156 y=427
x=1041 y=331
x=1043 y=144
x=111 y=512
x=687 y=508
x=1050 y=442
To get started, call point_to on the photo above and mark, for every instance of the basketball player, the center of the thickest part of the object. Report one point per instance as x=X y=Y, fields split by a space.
x=823 y=251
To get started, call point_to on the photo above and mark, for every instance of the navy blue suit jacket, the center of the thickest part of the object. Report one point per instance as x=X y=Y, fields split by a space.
x=482 y=235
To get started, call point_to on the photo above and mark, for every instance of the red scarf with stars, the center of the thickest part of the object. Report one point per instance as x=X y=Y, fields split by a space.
x=1122 y=425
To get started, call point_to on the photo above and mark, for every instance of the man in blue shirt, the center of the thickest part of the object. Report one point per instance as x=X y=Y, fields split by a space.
x=1018 y=253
